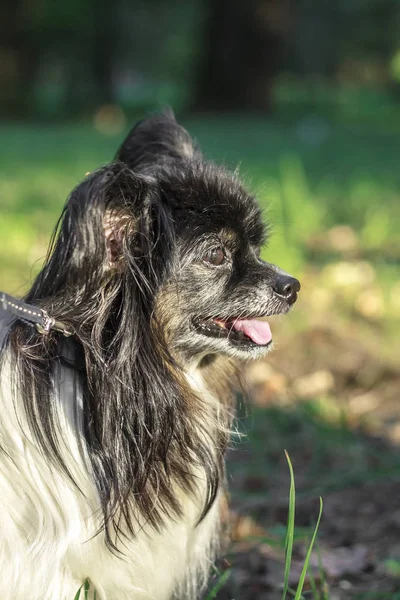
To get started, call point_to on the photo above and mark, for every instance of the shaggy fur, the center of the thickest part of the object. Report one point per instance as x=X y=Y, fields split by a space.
x=152 y=265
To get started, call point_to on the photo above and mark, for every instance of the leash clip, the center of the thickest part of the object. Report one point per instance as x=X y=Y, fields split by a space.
x=50 y=323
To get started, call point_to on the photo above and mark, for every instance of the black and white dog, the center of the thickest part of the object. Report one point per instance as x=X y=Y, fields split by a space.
x=112 y=441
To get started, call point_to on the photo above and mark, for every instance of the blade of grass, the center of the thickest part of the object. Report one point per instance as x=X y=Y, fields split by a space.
x=219 y=585
x=290 y=528
x=78 y=594
x=307 y=560
x=86 y=589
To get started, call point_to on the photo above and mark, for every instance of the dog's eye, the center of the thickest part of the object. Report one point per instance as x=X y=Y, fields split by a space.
x=215 y=257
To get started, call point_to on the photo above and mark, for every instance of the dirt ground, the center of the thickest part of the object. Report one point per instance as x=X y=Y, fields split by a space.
x=329 y=394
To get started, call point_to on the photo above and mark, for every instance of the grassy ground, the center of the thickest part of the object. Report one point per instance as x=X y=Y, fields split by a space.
x=329 y=392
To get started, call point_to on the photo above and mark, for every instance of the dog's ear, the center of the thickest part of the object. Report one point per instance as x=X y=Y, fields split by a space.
x=117 y=223
x=156 y=140
x=113 y=216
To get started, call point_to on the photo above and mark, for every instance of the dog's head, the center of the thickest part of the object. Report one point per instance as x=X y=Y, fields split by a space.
x=183 y=232
x=218 y=288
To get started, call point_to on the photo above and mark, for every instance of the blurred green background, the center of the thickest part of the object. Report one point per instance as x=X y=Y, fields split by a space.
x=305 y=97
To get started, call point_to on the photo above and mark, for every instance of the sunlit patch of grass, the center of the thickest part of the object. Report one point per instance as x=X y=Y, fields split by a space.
x=392 y=566
x=299 y=210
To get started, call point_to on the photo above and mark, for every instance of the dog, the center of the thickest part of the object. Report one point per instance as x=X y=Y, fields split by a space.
x=112 y=440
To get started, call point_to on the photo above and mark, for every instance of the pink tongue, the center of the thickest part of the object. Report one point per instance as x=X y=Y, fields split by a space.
x=258 y=331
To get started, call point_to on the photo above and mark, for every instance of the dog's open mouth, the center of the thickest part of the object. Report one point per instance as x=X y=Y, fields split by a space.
x=240 y=332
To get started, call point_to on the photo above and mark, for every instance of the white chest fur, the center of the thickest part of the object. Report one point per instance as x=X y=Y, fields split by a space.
x=47 y=542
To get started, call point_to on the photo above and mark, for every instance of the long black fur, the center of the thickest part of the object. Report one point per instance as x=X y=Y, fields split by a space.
x=142 y=428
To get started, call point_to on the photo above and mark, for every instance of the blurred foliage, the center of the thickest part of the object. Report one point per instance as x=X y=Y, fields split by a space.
x=309 y=177
x=63 y=59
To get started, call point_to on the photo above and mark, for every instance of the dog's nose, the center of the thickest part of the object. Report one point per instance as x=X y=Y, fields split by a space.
x=287 y=287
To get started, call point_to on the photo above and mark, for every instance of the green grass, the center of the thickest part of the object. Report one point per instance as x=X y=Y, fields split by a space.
x=85 y=588
x=219 y=584
x=289 y=530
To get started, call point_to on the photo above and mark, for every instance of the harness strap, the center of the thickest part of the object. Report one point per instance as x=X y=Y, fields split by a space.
x=68 y=368
x=32 y=315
